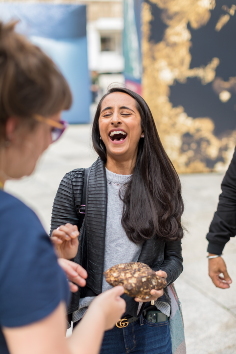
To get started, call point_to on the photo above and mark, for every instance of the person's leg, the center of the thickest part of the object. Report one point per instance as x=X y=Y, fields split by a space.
x=113 y=342
x=152 y=338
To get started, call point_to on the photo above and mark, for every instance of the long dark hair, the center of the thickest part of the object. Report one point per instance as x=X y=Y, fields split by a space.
x=153 y=204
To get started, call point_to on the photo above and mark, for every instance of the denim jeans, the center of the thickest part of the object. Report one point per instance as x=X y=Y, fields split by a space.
x=140 y=337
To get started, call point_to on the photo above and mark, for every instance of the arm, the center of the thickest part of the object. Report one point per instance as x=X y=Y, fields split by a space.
x=64 y=206
x=173 y=261
x=223 y=225
x=48 y=335
x=64 y=223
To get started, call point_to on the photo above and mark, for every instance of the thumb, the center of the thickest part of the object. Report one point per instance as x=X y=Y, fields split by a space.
x=227 y=277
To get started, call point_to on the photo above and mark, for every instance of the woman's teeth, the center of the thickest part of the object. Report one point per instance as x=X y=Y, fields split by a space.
x=118 y=135
x=117 y=132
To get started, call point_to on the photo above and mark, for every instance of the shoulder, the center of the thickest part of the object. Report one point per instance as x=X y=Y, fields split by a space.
x=72 y=182
x=21 y=229
x=13 y=209
x=77 y=173
x=73 y=177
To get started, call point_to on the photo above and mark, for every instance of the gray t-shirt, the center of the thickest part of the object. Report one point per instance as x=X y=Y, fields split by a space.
x=118 y=247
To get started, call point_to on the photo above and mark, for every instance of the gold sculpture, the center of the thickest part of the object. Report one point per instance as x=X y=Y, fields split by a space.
x=189 y=142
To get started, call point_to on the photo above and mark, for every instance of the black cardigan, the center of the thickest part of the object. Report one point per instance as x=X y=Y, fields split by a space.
x=155 y=252
x=223 y=225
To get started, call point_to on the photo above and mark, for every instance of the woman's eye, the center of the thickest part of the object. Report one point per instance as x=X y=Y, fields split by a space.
x=108 y=114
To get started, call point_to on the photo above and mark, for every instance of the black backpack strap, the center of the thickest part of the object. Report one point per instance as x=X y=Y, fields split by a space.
x=82 y=208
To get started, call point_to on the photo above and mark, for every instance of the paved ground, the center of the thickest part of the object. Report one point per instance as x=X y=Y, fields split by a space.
x=209 y=313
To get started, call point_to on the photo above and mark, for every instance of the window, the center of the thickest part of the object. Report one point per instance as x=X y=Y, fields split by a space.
x=108 y=43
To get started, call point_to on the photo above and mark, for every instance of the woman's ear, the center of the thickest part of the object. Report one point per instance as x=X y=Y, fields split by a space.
x=11 y=127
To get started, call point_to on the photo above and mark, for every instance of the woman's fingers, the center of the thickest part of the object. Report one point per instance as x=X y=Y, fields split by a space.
x=155 y=294
x=161 y=274
x=69 y=230
x=73 y=287
x=80 y=270
x=66 y=232
x=56 y=240
x=74 y=272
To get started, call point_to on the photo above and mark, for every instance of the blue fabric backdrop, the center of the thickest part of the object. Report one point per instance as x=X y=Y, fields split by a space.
x=60 y=30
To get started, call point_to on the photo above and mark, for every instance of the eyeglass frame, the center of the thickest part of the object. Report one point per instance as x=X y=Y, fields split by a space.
x=61 y=125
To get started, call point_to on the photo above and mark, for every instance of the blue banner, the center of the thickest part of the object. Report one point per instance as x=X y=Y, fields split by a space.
x=60 y=30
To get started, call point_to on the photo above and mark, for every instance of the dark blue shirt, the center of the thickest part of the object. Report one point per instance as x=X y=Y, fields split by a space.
x=32 y=284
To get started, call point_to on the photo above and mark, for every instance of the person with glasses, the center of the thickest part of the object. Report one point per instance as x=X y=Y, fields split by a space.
x=34 y=290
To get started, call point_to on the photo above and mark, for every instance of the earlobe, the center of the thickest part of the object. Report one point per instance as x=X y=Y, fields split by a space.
x=142 y=135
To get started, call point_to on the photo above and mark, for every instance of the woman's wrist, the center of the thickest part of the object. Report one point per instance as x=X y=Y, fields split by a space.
x=97 y=314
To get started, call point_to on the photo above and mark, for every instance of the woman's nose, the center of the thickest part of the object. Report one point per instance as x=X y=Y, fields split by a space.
x=115 y=119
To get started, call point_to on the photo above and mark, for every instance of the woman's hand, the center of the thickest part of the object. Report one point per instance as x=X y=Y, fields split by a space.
x=74 y=272
x=108 y=307
x=65 y=240
x=155 y=294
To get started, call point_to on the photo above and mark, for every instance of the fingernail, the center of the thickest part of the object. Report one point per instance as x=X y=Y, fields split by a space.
x=67 y=237
x=74 y=233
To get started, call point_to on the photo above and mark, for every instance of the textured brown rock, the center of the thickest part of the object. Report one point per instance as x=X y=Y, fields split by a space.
x=138 y=279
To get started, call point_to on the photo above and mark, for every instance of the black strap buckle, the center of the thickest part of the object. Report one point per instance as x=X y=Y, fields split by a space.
x=82 y=209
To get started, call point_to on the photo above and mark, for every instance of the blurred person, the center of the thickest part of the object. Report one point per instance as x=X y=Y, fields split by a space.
x=133 y=209
x=222 y=228
x=94 y=85
x=33 y=288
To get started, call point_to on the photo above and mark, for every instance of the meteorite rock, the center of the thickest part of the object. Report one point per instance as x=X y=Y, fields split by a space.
x=138 y=279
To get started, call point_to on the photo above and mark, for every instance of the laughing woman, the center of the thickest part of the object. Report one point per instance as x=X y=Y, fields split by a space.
x=133 y=209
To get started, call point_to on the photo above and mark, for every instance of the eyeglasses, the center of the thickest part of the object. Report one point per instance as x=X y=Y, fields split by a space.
x=58 y=128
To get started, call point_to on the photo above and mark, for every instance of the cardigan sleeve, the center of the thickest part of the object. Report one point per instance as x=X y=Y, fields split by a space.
x=173 y=261
x=67 y=200
x=223 y=225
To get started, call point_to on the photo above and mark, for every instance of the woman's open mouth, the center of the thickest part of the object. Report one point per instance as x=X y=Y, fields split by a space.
x=117 y=136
